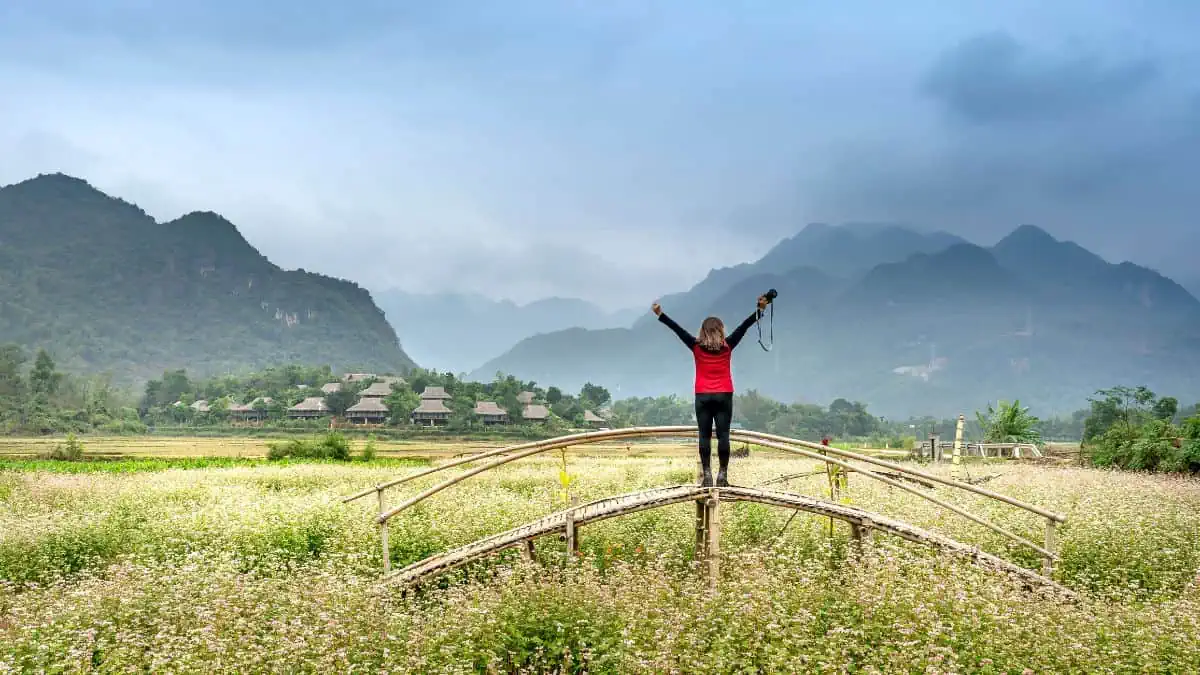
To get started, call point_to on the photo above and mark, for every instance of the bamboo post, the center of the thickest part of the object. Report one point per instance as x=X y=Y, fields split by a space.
x=701 y=530
x=383 y=535
x=527 y=551
x=572 y=533
x=713 y=554
x=1051 y=546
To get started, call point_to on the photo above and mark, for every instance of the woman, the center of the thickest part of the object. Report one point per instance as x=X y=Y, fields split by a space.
x=712 y=352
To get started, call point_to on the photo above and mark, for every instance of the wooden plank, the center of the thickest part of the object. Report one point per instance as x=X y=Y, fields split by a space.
x=639 y=501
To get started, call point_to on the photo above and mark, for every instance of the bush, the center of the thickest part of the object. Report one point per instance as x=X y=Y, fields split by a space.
x=368 y=451
x=71 y=451
x=332 y=446
x=1156 y=445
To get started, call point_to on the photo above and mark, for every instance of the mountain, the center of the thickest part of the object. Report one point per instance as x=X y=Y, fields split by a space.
x=938 y=332
x=104 y=287
x=843 y=251
x=458 y=332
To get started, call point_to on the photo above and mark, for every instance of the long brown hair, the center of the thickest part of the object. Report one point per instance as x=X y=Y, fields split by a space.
x=712 y=334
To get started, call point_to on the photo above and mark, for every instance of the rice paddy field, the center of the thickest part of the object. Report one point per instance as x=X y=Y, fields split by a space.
x=206 y=558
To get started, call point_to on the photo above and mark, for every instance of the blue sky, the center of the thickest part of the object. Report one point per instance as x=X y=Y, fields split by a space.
x=616 y=150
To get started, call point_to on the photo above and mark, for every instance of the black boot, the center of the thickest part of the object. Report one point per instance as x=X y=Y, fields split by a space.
x=706 y=468
x=723 y=473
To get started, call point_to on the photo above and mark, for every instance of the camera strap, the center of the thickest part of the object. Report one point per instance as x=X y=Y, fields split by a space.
x=771 y=328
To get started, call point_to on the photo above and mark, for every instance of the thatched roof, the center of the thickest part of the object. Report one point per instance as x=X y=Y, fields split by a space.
x=525 y=397
x=366 y=405
x=535 y=411
x=311 y=404
x=377 y=390
x=435 y=393
x=431 y=405
x=589 y=416
x=331 y=387
x=358 y=377
x=201 y=406
x=489 y=408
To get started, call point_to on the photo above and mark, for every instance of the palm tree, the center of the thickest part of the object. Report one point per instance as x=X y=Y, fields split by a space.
x=1009 y=424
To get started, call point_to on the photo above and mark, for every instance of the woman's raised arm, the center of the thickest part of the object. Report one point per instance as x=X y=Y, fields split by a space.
x=687 y=338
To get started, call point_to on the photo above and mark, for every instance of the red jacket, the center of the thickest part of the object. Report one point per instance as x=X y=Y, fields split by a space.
x=713 y=373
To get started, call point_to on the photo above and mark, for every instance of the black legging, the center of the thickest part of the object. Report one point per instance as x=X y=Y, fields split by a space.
x=718 y=409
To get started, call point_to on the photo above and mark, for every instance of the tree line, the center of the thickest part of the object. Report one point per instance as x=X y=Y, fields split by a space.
x=1126 y=427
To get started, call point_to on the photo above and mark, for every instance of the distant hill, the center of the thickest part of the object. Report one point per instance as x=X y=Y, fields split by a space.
x=457 y=332
x=844 y=251
x=104 y=287
x=938 y=332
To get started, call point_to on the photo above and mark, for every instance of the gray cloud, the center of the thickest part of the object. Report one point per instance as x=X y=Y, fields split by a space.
x=992 y=79
x=611 y=150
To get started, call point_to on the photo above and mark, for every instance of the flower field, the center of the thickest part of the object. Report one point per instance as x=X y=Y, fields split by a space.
x=258 y=567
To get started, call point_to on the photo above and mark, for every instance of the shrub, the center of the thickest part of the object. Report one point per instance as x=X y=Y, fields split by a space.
x=332 y=446
x=71 y=451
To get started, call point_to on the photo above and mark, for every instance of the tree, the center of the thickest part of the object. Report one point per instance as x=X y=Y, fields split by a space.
x=338 y=401
x=1010 y=423
x=1127 y=407
x=12 y=385
x=593 y=394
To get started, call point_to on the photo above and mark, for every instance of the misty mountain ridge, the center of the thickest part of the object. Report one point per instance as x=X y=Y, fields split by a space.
x=942 y=330
x=456 y=332
x=104 y=287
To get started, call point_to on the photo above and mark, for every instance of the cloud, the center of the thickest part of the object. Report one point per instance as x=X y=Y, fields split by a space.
x=993 y=79
x=1095 y=149
x=616 y=149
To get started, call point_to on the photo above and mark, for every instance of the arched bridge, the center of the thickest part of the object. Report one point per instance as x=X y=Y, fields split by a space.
x=708 y=501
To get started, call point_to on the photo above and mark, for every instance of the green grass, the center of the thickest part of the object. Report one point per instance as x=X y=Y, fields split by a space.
x=119 y=465
x=244 y=565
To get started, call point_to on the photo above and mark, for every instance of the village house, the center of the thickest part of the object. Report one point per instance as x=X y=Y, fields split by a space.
x=310 y=408
x=358 y=377
x=593 y=420
x=377 y=390
x=490 y=414
x=535 y=412
x=525 y=397
x=368 y=410
x=431 y=413
x=331 y=387
x=435 y=393
x=253 y=411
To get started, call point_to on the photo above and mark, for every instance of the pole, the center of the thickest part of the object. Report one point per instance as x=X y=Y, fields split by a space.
x=383 y=535
x=956 y=469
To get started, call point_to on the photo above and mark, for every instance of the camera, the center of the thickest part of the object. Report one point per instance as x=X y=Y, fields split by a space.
x=771 y=294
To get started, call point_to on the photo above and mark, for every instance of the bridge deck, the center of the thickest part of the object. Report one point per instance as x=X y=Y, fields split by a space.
x=639 y=501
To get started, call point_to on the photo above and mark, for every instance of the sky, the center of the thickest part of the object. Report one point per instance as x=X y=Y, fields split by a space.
x=612 y=151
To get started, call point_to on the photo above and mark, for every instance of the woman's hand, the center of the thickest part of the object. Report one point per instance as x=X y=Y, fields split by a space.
x=657 y=309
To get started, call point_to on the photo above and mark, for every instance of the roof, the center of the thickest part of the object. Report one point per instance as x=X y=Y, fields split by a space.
x=365 y=405
x=431 y=405
x=535 y=411
x=358 y=377
x=377 y=390
x=525 y=397
x=589 y=416
x=331 y=387
x=435 y=393
x=200 y=406
x=311 y=404
x=489 y=408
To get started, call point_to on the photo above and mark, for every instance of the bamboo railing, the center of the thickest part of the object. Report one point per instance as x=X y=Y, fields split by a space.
x=570 y=520
x=822 y=453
